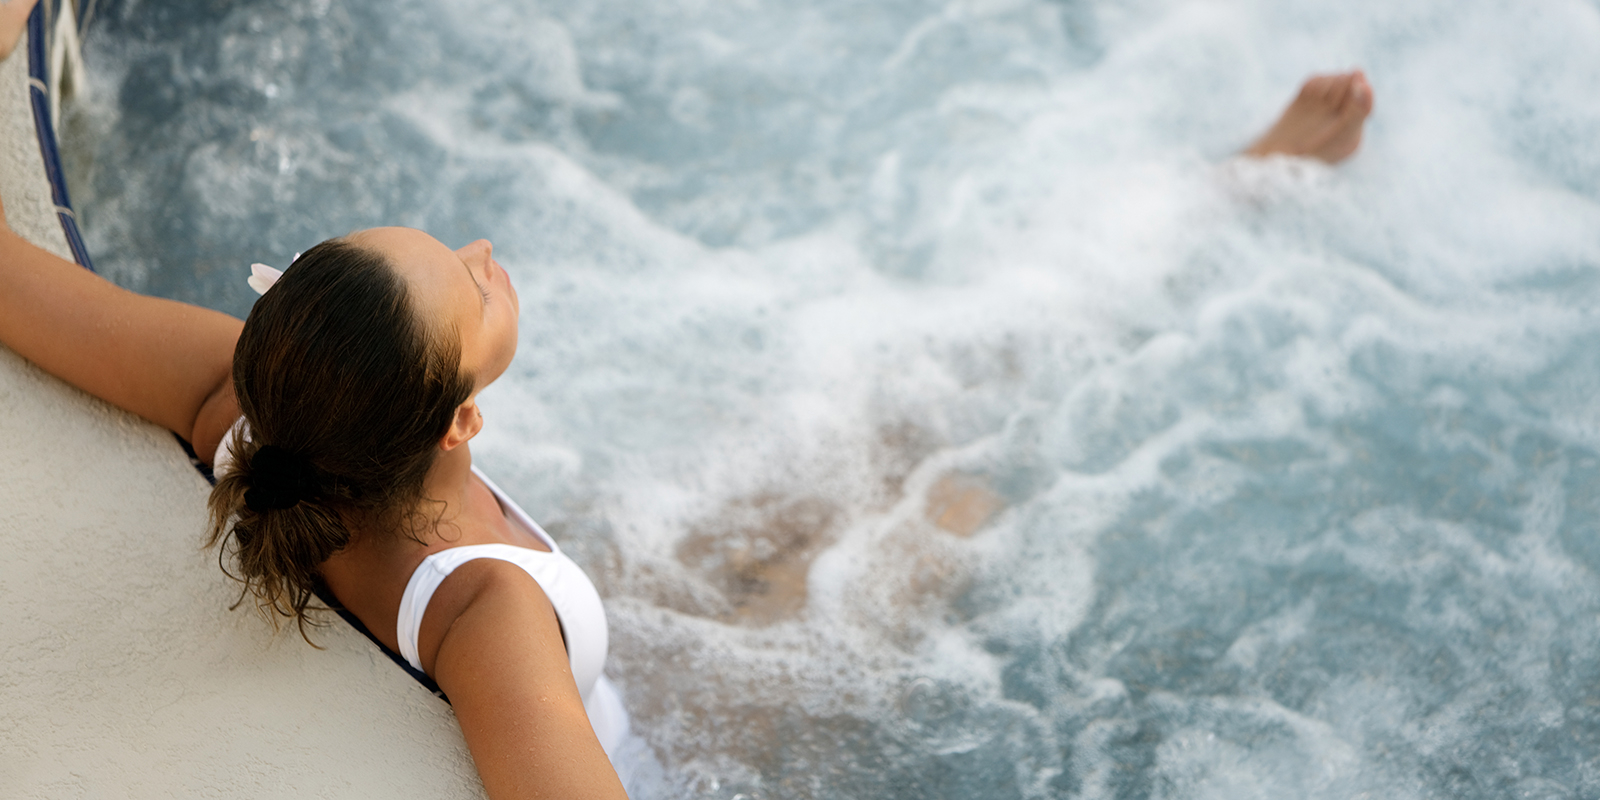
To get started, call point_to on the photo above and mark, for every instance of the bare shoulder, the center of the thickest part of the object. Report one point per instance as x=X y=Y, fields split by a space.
x=497 y=591
x=498 y=654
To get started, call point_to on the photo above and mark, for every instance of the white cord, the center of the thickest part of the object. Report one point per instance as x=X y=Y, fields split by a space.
x=67 y=76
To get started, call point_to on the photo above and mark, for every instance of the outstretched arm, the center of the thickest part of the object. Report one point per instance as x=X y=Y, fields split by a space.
x=168 y=362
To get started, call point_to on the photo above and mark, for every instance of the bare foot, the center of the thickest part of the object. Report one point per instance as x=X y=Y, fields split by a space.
x=1323 y=122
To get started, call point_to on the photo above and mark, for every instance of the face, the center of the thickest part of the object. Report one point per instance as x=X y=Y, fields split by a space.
x=463 y=288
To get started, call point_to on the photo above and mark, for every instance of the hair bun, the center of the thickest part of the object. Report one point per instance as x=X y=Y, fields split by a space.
x=279 y=479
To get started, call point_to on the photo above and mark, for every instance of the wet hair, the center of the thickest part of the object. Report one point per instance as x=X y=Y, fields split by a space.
x=338 y=375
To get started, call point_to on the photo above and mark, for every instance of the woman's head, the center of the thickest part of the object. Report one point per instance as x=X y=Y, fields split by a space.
x=355 y=372
x=465 y=291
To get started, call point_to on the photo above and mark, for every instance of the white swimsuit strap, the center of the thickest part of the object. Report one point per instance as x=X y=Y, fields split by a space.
x=510 y=507
x=427 y=577
x=222 y=459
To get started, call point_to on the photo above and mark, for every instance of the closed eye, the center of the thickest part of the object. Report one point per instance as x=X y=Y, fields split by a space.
x=482 y=289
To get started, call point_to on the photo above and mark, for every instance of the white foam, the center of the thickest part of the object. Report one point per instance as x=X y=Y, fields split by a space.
x=1271 y=439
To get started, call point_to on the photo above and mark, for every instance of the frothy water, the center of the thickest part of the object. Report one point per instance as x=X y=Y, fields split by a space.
x=940 y=410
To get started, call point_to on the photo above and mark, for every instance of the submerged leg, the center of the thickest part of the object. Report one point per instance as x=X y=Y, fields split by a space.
x=1323 y=122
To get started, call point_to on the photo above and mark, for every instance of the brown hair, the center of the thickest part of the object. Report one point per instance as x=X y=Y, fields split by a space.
x=336 y=368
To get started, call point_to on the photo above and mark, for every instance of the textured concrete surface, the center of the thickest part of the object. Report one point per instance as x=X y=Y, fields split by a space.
x=122 y=671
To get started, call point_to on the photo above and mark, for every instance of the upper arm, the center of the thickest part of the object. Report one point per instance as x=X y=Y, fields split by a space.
x=166 y=361
x=502 y=662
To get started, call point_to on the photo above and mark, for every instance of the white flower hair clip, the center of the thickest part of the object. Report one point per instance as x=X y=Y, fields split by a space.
x=262 y=276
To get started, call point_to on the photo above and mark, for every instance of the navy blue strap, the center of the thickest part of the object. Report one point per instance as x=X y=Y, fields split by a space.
x=421 y=677
x=39 y=74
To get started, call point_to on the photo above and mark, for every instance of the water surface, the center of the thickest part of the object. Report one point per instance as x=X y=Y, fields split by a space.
x=939 y=409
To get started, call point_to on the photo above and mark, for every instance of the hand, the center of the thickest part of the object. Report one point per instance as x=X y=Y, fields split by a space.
x=13 y=20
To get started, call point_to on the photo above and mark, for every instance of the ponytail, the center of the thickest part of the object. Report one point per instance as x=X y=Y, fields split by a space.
x=277 y=540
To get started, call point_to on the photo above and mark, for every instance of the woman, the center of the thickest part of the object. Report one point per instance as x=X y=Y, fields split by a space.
x=345 y=405
x=338 y=418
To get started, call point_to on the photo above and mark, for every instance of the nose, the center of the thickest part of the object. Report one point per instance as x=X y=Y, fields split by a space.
x=481 y=249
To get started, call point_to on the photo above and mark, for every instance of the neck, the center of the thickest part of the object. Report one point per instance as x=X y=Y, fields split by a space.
x=447 y=479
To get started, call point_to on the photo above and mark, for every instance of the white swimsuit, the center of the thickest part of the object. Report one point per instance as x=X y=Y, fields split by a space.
x=577 y=606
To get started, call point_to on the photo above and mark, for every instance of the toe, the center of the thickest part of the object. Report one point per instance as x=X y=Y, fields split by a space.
x=1339 y=92
x=1356 y=101
x=1316 y=88
x=1361 y=93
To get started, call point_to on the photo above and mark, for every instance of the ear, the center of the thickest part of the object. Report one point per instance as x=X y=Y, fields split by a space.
x=466 y=424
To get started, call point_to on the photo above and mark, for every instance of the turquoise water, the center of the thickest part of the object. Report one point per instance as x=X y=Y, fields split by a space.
x=939 y=409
